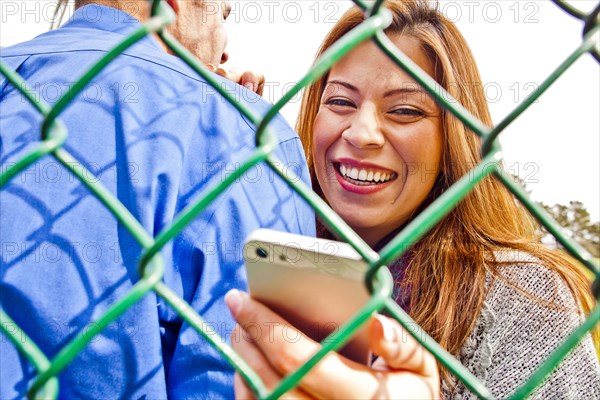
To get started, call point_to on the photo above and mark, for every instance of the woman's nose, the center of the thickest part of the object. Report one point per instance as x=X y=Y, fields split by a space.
x=364 y=130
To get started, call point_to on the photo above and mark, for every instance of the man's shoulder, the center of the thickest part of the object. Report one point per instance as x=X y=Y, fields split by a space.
x=93 y=44
x=72 y=50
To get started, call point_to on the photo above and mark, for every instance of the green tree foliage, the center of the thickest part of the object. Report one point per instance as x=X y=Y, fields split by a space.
x=575 y=219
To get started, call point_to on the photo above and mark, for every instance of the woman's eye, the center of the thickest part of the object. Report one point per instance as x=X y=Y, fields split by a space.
x=408 y=113
x=339 y=103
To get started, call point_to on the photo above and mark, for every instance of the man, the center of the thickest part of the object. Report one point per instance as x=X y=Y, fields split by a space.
x=157 y=136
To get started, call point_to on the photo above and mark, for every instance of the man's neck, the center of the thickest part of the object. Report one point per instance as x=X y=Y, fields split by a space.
x=139 y=9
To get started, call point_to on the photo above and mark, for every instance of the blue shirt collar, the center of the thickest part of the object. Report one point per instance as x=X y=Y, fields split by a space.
x=99 y=17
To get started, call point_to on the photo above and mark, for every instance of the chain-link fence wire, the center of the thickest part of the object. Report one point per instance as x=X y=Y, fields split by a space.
x=53 y=134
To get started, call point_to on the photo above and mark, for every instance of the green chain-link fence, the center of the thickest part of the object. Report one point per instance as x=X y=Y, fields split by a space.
x=53 y=135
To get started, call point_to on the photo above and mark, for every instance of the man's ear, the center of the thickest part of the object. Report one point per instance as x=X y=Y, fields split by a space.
x=174 y=5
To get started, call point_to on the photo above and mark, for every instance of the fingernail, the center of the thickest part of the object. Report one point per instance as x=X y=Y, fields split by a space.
x=387 y=327
x=234 y=301
x=211 y=67
x=250 y=86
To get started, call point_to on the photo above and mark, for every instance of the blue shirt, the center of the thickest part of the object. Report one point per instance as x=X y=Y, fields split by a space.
x=157 y=136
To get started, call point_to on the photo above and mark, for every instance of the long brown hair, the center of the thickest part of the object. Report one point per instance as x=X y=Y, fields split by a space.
x=447 y=269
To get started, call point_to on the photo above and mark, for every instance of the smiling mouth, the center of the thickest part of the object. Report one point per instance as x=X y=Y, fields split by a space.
x=364 y=176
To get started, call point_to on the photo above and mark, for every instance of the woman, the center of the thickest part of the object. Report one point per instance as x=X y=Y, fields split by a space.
x=381 y=150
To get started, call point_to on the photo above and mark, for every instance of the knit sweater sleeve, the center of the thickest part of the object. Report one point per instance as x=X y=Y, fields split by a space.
x=516 y=332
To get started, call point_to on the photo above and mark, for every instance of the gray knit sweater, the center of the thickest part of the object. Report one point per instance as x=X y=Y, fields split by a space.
x=515 y=334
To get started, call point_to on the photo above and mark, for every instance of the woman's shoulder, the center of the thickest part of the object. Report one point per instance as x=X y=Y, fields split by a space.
x=520 y=277
x=529 y=310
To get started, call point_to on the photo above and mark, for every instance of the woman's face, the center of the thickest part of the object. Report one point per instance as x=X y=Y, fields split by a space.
x=377 y=139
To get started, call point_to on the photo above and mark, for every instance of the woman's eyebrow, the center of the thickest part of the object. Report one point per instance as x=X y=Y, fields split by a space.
x=344 y=84
x=409 y=89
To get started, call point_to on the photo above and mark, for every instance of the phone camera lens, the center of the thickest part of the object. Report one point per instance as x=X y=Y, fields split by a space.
x=262 y=253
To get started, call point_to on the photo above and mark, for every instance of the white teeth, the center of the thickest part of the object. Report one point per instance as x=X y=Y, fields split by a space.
x=364 y=175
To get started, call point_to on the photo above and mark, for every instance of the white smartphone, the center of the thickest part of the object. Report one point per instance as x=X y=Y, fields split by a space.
x=315 y=284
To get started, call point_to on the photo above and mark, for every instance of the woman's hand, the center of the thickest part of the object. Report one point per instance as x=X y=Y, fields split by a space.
x=251 y=80
x=404 y=369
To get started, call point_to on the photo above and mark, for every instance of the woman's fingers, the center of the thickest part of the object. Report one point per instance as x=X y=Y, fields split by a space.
x=397 y=348
x=242 y=343
x=252 y=80
x=255 y=359
x=286 y=349
x=242 y=391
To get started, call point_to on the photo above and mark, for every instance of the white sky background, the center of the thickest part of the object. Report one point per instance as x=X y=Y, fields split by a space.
x=554 y=146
